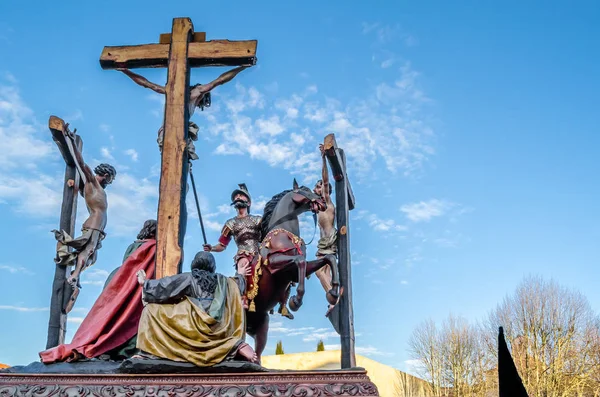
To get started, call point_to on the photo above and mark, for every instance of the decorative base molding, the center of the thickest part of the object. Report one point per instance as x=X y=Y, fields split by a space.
x=263 y=384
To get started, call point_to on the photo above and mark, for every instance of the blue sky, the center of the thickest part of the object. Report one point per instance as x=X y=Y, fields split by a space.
x=471 y=131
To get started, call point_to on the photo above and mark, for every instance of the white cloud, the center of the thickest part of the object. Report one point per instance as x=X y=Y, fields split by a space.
x=388 y=33
x=372 y=351
x=36 y=195
x=316 y=336
x=76 y=115
x=379 y=224
x=270 y=126
x=131 y=201
x=96 y=273
x=104 y=127
x=278 y=328
x=15 y=269
x=106 y=153
x=363 y=350
x=425 y=210
x=75 y=320
x=23 y=308
x=93 y=282
x=20 y=133
x=387 y=63
x=132 y=153
x=387 y=125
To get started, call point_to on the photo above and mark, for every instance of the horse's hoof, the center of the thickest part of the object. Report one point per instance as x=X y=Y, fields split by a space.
x=294 y=304
x=332 y=297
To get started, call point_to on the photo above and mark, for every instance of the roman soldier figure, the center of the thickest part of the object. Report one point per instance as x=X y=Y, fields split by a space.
x=245 y=230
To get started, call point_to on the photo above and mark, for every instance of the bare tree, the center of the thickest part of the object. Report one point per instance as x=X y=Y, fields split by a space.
x=425 y=347
x=553 y=334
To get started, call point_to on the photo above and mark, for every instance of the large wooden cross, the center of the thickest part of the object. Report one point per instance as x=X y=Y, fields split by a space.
x=342 y=316
x=179 y=51
x=57 y=325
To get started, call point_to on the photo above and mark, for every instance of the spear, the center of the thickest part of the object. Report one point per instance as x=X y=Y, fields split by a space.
x=197 y=204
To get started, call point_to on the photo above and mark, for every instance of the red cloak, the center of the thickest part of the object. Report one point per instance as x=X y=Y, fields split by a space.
x=115 y=316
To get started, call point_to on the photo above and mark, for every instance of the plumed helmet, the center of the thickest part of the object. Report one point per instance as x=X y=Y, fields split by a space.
x=242 y=190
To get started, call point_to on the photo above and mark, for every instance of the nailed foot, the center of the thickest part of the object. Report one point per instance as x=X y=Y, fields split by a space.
x=72 y=299
x=295 y=303
x=335 y=302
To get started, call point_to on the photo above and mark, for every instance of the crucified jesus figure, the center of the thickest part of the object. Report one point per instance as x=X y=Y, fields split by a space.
x=199 y=98
x=86 y=246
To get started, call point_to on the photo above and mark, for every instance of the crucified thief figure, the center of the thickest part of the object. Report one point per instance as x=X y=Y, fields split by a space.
x=328 y=242
x=85 y=247
x=199 y=98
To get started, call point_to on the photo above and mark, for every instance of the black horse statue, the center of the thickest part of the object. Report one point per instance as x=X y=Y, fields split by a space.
x=282 y=260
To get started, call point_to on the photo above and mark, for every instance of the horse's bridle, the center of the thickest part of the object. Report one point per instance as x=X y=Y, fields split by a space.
x=295 y=213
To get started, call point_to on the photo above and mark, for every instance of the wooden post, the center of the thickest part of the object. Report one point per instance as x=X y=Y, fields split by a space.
x=344 y=201
x=172 y=214
x=57 y=325
x=178 y=51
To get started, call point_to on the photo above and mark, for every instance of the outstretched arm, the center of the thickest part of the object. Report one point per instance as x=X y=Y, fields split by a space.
x=143 y=81
x=222 y=79
x=325 y=176
x=85 y=172
x=224 y=240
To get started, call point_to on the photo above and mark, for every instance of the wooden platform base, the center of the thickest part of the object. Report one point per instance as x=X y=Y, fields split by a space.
x=260 y=384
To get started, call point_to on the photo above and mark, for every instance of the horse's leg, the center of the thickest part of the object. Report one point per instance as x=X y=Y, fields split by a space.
x=296 y=300
x=261 y=334
x=313 y=266
x=283 y=300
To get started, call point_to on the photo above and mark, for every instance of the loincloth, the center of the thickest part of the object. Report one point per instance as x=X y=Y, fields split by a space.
x=65 y=256
x=192 y=136
x=327 y=245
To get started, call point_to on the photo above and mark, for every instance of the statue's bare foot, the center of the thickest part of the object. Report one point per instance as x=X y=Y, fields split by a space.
x=248 y=353
x=72 y=299
x=73 y=281
x=331 y=306
x=142 y=355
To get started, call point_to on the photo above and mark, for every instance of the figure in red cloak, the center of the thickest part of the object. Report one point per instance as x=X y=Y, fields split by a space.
x=111 y=325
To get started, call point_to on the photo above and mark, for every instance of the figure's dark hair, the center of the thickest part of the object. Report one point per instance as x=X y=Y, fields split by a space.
x=321 y=182
x=105 y=170
x=204 y=261
x=268 y=212
x=148 y=230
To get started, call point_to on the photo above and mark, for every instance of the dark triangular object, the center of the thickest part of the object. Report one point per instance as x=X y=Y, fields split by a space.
x=334 y=318
x=509 y=381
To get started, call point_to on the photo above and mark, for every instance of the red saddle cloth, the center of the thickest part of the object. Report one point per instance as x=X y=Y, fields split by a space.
x=115 y=316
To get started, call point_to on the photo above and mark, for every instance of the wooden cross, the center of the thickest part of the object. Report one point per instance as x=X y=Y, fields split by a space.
x=57 y=325
x=342 y=316
x=179 y=51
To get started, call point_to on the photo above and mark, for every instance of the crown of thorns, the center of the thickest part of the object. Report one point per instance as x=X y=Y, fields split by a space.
x=106 y=170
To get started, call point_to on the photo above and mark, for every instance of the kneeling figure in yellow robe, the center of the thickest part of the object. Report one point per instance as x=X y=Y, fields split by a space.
x=194 y=317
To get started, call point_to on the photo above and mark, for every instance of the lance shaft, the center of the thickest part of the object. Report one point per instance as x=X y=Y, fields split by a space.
x=197 y=204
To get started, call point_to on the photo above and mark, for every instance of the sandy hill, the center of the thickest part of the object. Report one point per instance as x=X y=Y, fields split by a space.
x=388 y=380
x=4 y=366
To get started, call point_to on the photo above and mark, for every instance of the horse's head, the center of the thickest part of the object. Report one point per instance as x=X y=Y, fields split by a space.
x=303 y=196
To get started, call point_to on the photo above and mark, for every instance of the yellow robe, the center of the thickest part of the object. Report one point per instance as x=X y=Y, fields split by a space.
x=185 y=332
